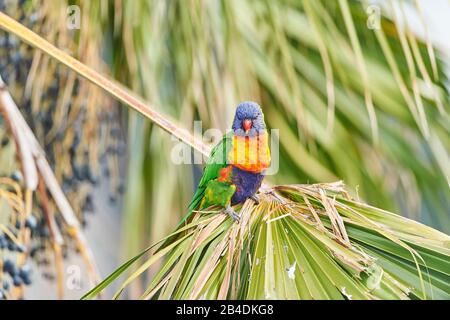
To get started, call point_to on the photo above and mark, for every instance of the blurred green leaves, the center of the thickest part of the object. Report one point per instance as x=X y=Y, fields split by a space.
x=350 y=102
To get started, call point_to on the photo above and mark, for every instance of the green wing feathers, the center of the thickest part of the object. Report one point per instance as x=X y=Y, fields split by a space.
x=216 y=161
x=217 y=193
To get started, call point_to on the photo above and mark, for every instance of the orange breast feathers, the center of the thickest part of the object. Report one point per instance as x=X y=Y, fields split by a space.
x=250 y=153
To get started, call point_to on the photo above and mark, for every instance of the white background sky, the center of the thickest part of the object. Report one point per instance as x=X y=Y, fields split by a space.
x=436 y=14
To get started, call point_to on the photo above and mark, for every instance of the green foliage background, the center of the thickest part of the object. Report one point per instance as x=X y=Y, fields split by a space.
x=351 y=103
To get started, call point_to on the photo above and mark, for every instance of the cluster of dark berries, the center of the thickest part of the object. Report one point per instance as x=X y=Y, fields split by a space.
x=64 y=138
x=11 y=272
x=67 y=137
x=15 y=275
x=15 y=56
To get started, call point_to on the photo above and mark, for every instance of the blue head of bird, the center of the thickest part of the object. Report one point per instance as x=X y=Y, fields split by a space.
x=248 y=119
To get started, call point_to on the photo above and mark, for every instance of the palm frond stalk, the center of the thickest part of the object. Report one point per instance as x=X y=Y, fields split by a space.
x=299 y=242
x=115 y=89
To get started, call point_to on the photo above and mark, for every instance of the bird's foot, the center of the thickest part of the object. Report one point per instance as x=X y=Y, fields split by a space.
x=255 y=198
x=232 y=213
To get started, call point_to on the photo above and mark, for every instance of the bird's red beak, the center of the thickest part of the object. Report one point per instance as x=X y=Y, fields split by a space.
x=247 y=124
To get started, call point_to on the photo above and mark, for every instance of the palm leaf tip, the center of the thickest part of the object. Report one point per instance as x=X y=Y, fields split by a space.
x=301 y=242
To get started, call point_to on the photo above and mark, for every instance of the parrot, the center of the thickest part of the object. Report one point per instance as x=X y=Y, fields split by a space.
x=235 y=169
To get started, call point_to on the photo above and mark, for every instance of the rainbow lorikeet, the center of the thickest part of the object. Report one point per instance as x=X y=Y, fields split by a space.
x=235 y=169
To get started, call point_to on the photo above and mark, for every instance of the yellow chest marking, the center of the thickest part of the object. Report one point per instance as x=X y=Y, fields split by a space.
x=250 y=153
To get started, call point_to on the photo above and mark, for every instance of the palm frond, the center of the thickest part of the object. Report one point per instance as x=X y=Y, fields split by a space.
x=299 y=242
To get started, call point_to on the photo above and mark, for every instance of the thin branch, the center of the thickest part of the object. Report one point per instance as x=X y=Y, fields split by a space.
x=115 y=89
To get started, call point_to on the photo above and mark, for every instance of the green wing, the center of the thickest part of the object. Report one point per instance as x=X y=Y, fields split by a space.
x=216 y=161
